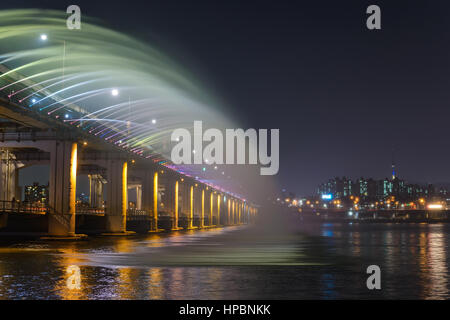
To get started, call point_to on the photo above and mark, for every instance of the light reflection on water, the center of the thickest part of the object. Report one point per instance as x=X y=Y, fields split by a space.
x=325 y=261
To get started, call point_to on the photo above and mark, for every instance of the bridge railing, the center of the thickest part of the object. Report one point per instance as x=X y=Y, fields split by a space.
x=85 y=210
x=22 y=207
x=135 y=214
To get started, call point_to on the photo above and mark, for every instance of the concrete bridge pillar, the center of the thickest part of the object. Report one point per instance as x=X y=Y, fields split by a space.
x=184 y=199
x=172 y=198
x=247 y=214
x=241 y=212
x=229 y=211
x=116 y=205
x=9 y=177
x=191 y=207
x=62 y=185
x=139 y=197
x=211 y=209
x=150 y=197
x=202 y=214
x=176 y=204
x=239 y=206
x=233 y=210
x=95 y=190
x=219 y=202
x=197 y=203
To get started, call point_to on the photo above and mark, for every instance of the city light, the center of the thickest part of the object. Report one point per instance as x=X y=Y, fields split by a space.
x=327 y=196
x=435 y=206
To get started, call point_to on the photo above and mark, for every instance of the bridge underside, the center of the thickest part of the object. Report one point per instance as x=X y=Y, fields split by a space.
x=164 y=199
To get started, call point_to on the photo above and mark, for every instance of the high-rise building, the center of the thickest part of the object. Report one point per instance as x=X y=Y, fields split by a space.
x=36 y=193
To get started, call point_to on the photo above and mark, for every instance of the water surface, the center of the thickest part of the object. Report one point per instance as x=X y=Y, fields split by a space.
x=294 y=261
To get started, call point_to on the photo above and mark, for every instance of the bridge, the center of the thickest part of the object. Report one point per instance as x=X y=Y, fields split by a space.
x=166 y=198
x=84 y=104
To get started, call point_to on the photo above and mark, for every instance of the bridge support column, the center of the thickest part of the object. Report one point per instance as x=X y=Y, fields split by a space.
x=138 y=189
x=171 y=185
x=233 y=210
x=150 y=198
x=191 y=207
x=229 y=212
x=202 y=215
x=63 y=181
x=95 y=191
x=247 y=214
x=219 y=198
x=9 y=177
x=176 y=203
x=241 y=212
x=187 y=209
x=211 y=209
x=184 y=201
x=116 y=206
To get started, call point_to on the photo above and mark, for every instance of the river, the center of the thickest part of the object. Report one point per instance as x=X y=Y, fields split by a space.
x=266 y=261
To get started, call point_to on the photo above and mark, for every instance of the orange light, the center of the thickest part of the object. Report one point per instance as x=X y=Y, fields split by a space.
x=435 y=206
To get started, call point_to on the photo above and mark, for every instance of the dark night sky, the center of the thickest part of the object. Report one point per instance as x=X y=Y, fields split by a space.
x=342 y=96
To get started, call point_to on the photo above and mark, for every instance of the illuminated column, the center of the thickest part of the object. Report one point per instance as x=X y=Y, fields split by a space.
x=191 y=207
x=116 y=204
x=175 y=206
x=150 y=197
x=218 y=209
x=247 y=214
x=185 y=210
x=202 y=216
x=211 y=209
x=239 y=212
x=62 y=184
x=233 y=213
x=229 y=212
x=169 y=196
